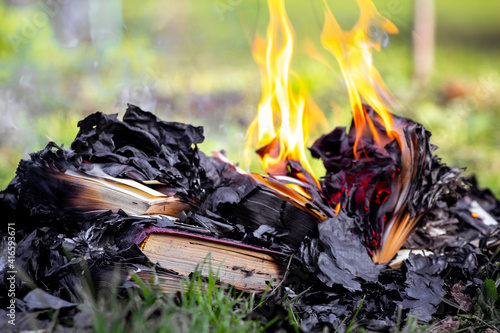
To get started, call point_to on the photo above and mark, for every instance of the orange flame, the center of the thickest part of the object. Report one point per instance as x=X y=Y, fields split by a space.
x=283 y=116
x=353 y=52
x=279 y=105
x=337 y=208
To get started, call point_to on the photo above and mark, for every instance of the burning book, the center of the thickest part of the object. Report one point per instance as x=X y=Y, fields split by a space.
x=391 y=186
x=75 y=185
x=249 y=224
x=140 y=195
x=383 y=169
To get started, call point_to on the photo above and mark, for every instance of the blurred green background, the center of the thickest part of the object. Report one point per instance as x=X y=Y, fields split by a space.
x=191 y=61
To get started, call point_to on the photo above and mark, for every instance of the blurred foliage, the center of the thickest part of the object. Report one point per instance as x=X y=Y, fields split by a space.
x=192 y=62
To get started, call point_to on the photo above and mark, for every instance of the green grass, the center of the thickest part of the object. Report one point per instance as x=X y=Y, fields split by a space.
x=205 y=307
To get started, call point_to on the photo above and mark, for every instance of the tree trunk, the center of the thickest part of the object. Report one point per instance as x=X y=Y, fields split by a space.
x=423 y=41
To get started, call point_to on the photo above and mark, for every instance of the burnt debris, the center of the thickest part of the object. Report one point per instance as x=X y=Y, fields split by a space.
x=333 y=276
x=390 y=184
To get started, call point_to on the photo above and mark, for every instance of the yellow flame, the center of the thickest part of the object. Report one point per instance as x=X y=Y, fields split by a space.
x=282 y=120
x=300 y=190
x=337 y=208
x=353 y=51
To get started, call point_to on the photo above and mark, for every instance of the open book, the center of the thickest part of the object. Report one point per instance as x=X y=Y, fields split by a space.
x=87 y=193
x=245 y=267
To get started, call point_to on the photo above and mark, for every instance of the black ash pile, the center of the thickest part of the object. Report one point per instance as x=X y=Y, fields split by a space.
x=333 y=272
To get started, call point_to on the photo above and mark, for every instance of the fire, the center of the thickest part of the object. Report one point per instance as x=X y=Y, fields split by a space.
x=353 y=52
x=281 y=128
x=337 y=208
x=283 y=116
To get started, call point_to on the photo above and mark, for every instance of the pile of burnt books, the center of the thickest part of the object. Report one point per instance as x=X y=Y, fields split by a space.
x=136 y=195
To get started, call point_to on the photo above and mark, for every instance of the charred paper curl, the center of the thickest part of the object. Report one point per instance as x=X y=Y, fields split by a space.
x=391 y=185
